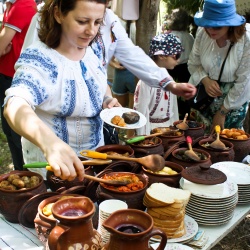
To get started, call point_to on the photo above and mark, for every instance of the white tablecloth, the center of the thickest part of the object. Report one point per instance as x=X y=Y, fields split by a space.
x=15 y=236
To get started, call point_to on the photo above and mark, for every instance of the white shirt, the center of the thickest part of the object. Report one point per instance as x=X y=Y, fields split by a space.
x=156 y=104
x=207 y=57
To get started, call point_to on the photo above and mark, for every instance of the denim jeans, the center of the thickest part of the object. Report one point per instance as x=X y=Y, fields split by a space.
x=14 y=140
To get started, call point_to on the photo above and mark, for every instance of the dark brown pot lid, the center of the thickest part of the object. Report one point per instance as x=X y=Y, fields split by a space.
x=28 y=210
x=204 y=175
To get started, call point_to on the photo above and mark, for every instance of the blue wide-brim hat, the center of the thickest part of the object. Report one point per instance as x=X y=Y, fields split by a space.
x=165 y=44
x=218 y=13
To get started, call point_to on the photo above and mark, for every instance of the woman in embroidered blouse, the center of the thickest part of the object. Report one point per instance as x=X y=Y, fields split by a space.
x=159 y=106
x=60 y=88
x=222 y=26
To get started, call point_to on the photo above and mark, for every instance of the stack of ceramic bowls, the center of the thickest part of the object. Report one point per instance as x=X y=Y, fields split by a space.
x=240 y=174
x=211 y=204
x=105 y=209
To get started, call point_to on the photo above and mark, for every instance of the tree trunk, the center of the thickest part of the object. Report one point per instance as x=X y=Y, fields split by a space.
x=146 y=25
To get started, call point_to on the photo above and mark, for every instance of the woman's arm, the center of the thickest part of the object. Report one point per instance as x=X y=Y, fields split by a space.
x=59 y=155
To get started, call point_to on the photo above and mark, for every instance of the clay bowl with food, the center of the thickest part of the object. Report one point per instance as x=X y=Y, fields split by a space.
x=132 y=193
x=195 y=129
x=148 y=146
x=44 y=220
x=240 y=140
x=170 y=136
x=217 y=155
x=55 y=183
x=16 y=187
x=177 y=155
x=169 y=175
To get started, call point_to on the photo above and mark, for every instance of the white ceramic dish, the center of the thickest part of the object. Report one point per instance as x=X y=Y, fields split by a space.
x=173 y=246
x=107 y=114
x=191 y=227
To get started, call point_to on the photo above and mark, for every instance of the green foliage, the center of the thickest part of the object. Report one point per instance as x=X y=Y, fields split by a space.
x=190 y=5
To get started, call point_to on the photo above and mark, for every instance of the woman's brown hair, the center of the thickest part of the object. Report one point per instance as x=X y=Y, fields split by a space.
x=50 y=30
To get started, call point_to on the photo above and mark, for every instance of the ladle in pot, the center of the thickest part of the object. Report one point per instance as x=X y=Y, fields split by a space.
x=217 y=144
x=183 y=125
x=190 y=153
x=122 y=182
x=152 y=162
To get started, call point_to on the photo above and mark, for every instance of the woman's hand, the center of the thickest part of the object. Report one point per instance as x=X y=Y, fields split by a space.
x=110 y=102
x=212 y=87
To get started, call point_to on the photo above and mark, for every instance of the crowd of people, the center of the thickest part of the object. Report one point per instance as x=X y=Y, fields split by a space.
x=53 y=91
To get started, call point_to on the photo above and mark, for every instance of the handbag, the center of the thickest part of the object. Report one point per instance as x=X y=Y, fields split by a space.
x=110 y=134
x=201 y=101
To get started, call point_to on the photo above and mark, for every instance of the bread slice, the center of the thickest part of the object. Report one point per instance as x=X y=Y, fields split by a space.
x=161 y=193
x=166 y=211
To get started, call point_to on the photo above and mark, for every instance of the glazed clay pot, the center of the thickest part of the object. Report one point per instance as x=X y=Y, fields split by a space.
x=55 y=183
x=74 y=229
x=12 y=201
x=241 y=147
x=173 y=156
x=193 y=131
x=134 y=199
x=216 y=154
x=137 y=220
x=144 y=150
x=169 y=139
x=170 y=180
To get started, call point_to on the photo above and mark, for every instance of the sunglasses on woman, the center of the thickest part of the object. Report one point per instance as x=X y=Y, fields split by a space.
x=176 y=57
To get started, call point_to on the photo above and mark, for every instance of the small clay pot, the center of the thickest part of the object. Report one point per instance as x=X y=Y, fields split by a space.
x=134 y=199
x=12 y=200
x=170 y=180
x=170 y=138
x=148 y=149
x=217 y=155
x=241 y=147
x=176 y=153
x=195 y=130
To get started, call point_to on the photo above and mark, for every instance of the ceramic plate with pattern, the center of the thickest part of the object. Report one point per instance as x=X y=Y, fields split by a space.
x=173 y=246
x=107 y=114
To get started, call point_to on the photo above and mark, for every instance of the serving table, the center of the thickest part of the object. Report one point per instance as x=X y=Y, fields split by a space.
x=17 y=237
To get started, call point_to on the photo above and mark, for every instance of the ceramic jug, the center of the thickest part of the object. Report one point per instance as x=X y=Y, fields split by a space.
x=74 y=229
x=132 y=229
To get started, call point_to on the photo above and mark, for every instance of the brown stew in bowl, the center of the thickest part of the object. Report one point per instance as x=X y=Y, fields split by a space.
x=181 y=156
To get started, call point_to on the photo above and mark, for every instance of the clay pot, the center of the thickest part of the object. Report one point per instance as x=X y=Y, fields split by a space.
x=74 y=229
x=169 y=139
x=117 y=148
x=195 y=130
x=217 y=155
x=134 y=199
x=170 y=180
x=173 y=155
x=135 y=220
x=55 y=183
x=43 y=223
x=12 y=201
x=241 y=147
x=148 y=149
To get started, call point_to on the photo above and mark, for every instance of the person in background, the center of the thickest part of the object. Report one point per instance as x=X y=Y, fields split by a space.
x=178 y=23
x=220 y=26
x=159 y=106
x=16 y=20
x=114 y=40
x=60 y=87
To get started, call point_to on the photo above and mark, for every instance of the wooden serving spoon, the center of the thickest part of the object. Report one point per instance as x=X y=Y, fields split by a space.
x=153 y=162
x=108 y=182
x=217 y=144
x=190 y=153
x=183 y=125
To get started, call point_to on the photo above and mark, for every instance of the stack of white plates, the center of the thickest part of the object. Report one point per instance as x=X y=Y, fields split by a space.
x=211 y=204
x=238 y=173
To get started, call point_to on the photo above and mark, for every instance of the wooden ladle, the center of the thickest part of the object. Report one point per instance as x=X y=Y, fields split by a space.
x=183 y=125
x=190 y=153
x=152 y=162
x=218 y=144
x=123 y=182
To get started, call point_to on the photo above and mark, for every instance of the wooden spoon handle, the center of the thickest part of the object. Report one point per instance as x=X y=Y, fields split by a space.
x=185 y=118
